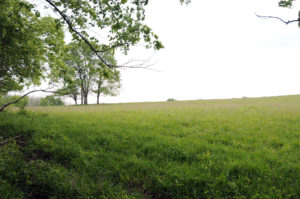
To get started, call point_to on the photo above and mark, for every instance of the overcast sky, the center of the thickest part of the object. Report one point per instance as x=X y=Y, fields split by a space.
x=215 y=49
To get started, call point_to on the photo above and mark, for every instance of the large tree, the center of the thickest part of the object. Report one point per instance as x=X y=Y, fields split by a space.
x=81 y=64
x=82 y=72
x=27 y=41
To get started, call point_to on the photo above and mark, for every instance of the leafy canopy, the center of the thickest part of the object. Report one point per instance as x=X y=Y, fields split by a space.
x=26 y=42
x=122 y=18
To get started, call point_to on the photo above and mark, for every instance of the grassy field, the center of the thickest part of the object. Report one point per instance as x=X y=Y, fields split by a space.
x=239 y=148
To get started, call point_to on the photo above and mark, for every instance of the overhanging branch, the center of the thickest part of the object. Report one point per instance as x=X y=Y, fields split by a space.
x=17 y=100
x=97 y=52
x=65 y=18
x=278 y=18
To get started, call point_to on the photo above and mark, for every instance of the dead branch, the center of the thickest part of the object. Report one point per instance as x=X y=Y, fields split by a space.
x=278 y=18
x=6 y=141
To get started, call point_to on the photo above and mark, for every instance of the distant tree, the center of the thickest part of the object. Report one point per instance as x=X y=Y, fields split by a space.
x=171 y=100
x=107 y=82
x=50 y=100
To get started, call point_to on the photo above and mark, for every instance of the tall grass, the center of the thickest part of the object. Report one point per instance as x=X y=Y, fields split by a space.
x=239 y=148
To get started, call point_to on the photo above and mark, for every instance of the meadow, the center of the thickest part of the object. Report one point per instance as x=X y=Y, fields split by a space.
x=210 y=149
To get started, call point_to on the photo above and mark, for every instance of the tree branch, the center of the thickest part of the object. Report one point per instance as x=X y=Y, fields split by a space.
x=17 y=100
x=97 y=52
x=278 y=18
x=112 y=47
x=65 y=18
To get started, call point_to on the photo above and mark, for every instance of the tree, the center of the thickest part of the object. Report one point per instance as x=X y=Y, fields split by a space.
x=107 y=82
x=83 y=72
x=79 y=70
x=50 y=100
x=27 y=41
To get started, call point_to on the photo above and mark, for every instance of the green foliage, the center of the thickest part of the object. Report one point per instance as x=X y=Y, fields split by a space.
x=107 y=82
x=26 y=43
x=286 y=3
x=83 y=72
x=50 y=100
x=10 y=98
x=245 y=148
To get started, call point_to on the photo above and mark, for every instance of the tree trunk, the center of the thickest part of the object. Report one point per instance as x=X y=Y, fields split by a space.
x=85 y=98
x=98 y=96
x=81 y=98
x=98 y=91
x=75 y=99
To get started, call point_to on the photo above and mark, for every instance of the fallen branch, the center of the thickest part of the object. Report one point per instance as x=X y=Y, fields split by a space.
x=6 y=141
x=278 y=18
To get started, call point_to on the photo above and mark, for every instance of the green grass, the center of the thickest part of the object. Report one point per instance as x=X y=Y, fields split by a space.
x=239 y=148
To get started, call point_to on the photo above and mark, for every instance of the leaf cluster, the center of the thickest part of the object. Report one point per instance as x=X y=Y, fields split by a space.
x=26 y=43
x=286 y=3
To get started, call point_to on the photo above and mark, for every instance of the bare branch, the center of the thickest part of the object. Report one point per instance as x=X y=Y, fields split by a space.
x=140 y=64
x=278 y=18
x=17 y=100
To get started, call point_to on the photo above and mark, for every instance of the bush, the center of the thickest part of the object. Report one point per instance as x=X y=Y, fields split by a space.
x=171 y=100
x=51 y=101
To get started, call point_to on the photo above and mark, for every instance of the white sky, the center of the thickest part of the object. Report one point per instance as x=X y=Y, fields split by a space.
x=215 y=49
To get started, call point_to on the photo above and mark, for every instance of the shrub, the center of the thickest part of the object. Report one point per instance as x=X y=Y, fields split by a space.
x=51 y=101
x=171 y=100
